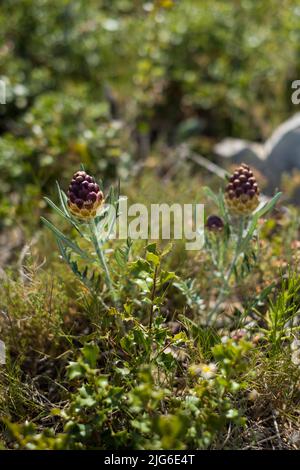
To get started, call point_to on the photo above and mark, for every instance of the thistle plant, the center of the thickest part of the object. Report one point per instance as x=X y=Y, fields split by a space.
x=84 y=209
x=230 y=236
x=84 y=195
x=242 y=192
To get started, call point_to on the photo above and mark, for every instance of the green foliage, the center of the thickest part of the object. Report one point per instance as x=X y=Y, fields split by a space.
x=151 y=373
x=107 y=412
x=282 y=312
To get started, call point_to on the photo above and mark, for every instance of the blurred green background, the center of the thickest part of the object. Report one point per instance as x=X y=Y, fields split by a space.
x=108 y=83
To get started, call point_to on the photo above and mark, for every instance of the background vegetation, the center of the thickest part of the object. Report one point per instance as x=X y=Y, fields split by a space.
x=119 y=87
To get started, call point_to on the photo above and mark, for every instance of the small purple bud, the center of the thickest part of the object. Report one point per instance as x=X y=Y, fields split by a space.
x=214 y=223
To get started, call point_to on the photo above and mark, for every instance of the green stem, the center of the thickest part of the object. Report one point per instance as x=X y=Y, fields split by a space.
x=152 y=299
x=101 y=257
x=226 y=280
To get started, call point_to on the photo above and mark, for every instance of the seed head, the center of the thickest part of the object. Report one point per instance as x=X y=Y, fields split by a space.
x=242 y=192
x=84 y=196
x=214 y=223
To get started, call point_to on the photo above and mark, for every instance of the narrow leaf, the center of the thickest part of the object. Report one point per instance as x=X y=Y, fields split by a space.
x=65 y=239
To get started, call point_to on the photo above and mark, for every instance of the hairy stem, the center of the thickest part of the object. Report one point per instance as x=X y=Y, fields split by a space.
x=228 y=274
x=101 y=257
x=152 y=299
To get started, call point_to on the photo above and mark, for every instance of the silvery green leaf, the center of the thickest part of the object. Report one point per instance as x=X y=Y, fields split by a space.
x=63 y=214
x=63 y=200
x=268 y=206
x=57 y=209
x=257 y=215
x=107 y=223
x=92 y=281
x=211 y=195
x=222 y=208
x=65 y=239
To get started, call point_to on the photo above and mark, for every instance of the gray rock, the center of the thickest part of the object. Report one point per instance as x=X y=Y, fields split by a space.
x=279 y=154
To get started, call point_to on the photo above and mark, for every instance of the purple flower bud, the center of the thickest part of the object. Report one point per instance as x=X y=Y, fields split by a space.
x=214 y=223
x=242 y=194
x=84 y=196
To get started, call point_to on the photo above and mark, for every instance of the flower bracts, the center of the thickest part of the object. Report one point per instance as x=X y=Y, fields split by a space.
x=84 y=196
x=242 y=192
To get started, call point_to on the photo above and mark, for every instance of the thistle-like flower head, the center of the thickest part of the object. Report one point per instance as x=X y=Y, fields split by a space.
x=214 y=223
x=242 y=192
x=84 y=196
